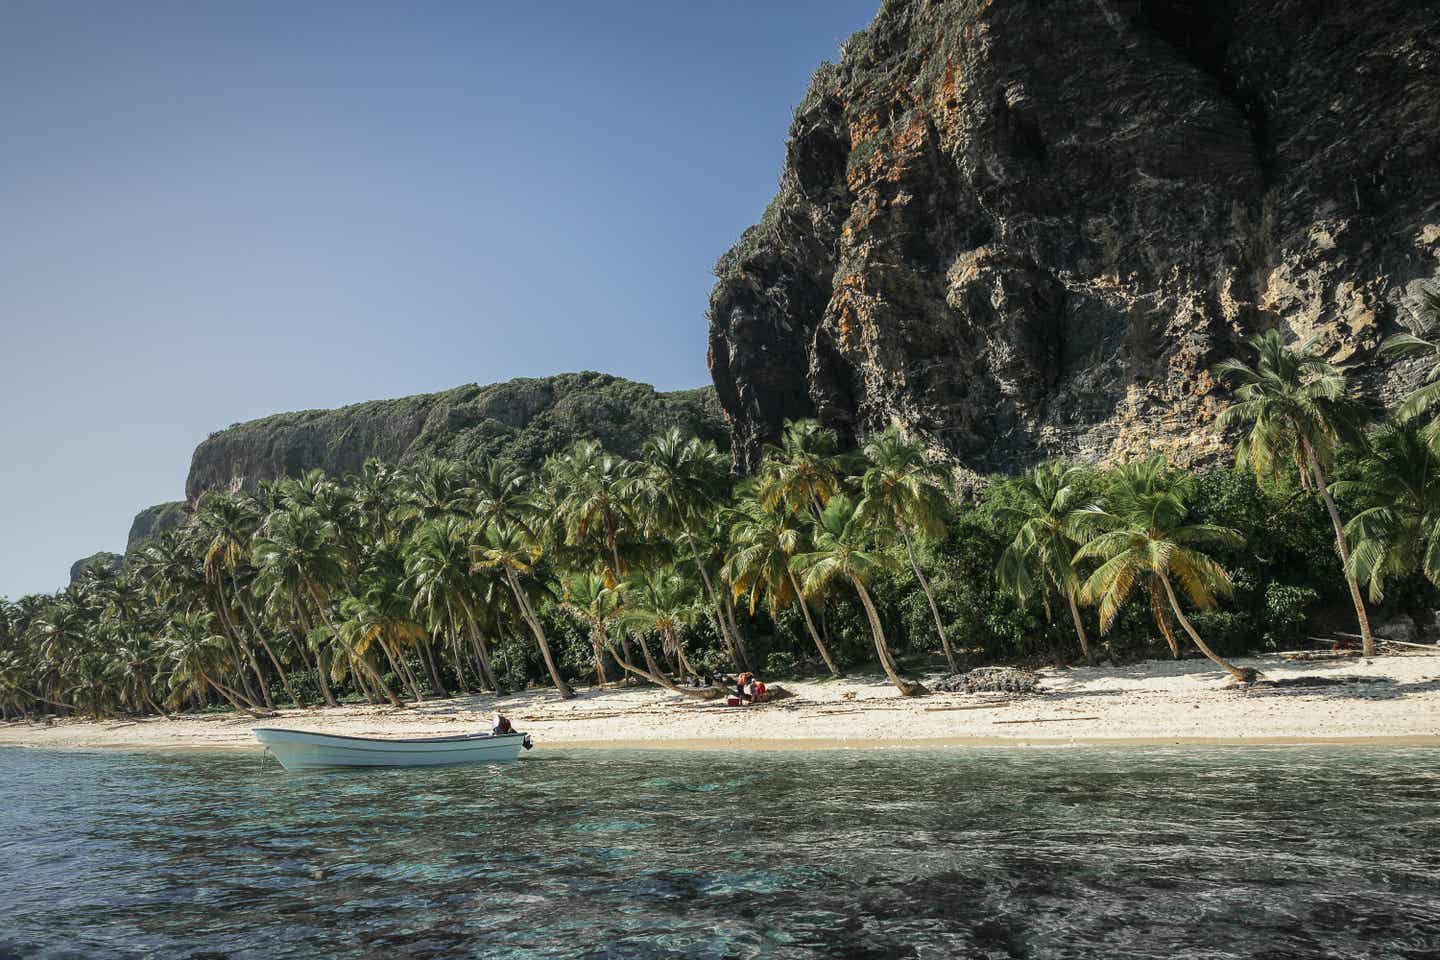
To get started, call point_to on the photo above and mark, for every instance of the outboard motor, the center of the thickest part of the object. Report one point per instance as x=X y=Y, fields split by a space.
x=526 y=742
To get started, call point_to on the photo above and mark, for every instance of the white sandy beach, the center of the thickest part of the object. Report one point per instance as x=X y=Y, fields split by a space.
x=1152 y=702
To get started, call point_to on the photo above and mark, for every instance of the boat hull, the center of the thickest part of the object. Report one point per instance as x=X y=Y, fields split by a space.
x=303 y=750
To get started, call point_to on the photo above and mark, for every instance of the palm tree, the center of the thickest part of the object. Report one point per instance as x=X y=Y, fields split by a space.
x=594 y=492
x=432 y=490
x=196 y=658
x=763 y=546
x=1145 y=535
x=1398 y=531
x=900 y=492
x=1421 y=339
x=661 y=602
x=1298 y=410
x=804 y=472
x=300 y=561
x=510 y=553
x=445 y=590
x=680 y=488
x=590 y=600
x=842 y=551
x=1049 y=517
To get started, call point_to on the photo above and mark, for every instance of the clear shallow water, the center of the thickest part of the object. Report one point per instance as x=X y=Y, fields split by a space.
x=1255 y=852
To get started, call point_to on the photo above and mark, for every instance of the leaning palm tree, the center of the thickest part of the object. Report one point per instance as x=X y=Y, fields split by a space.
x=590 y=600
x=510 y=553
x=900 y=493
x=446 y=592
x=660 y=602
x=1298 y=410
x=1049 y=517
x=764 y=544
x=299 y=563
x=196 y=657
x=1397 y=479
x=1145 y=535
x=842 y=551
x=679 y=491
x=594 y=496
x=1421 y=339
x=804 y=471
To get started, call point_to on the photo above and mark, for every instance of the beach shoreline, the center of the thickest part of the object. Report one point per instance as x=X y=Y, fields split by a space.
x=1392 y=700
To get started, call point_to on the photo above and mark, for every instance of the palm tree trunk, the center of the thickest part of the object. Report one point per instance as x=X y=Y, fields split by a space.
x=561 y=686
x=600 y=677
x=656 y=676
x=1079 y=628
x=322 y=667
x=1367 y=642
x=1157 y=612
x=380 y=684
x=735 y=629
x=247 y=655
x=274 y=660
x=934 y=610
x=427 y=654
x=810 y=625
x=882 y=649
x=718 y=613
x=482 y=654
x=686 y=670
x=1236 y=672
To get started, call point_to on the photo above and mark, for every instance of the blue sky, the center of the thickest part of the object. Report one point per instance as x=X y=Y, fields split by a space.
x=215 y=211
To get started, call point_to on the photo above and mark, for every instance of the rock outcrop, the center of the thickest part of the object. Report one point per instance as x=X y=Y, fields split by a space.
x=104 y=559
x=522 y=420
x=153 y=521
x=1029 y=228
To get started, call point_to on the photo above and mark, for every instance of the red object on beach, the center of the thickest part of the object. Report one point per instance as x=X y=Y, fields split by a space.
x=732 y=702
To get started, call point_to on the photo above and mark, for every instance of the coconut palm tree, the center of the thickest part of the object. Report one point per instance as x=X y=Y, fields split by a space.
x=843 y=551
x=513 y=555
x=1048 y=516
x=590 y=600
x=1421 y=339
x=804 y=471
x=196 y=657
x=900 y=494
x=661 y=602
x=300 y=562
x=763 y=545
x=1398 y=531
x=679 y=491
x=1145 y=535
x=593 y=492
x=441 y=579
x=1298 y=411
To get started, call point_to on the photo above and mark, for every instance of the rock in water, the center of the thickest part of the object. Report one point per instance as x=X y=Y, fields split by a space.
x=1028 y=229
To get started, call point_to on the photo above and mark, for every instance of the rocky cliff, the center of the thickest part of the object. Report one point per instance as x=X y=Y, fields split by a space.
x=1028 y=228
x=153 y=521
x=522 y=420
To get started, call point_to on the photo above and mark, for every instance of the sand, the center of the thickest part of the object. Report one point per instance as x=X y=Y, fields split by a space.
x=1154 y=702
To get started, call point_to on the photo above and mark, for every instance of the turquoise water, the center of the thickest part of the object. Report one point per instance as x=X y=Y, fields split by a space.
x=1179 y=853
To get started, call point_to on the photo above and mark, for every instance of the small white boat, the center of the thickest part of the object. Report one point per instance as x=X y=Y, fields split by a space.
x=301 y=749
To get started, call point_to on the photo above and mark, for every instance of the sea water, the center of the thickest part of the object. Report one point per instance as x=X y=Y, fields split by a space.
x=1273 y=852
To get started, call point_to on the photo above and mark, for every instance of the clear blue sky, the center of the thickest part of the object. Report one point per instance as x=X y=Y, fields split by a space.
x=212 y=211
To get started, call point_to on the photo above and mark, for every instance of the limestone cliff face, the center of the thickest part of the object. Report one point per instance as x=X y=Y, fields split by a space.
x=522 y=420
x=153 y=521
x=1028 y=228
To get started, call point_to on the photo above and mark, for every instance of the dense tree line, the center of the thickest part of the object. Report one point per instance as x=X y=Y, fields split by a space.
x=446 y=577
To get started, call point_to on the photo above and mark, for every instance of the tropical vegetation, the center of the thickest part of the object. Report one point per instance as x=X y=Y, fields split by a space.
x=440 y=577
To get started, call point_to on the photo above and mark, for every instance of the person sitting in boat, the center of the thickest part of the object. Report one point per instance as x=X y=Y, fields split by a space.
x=500 y=724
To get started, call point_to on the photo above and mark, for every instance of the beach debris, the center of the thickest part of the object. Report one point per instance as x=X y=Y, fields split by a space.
x=1318 y=681
x=1047 y=720
x=991 y=680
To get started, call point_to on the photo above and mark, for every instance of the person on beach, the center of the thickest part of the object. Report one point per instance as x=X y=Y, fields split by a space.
x=499 y=724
